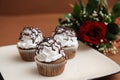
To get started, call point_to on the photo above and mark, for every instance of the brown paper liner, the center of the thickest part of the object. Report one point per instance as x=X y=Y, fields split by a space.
x=50 y=69
x=70 y=52
x=27 y=55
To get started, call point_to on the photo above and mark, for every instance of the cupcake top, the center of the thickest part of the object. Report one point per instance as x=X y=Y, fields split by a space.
x=66 y=36
x=29 y=38
x=49 y=50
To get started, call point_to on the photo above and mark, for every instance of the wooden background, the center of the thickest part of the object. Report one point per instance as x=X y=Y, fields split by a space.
x=16 y=14
x=18 y=7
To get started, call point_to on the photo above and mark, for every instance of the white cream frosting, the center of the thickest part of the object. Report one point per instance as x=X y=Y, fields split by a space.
x=30 y=40
x=46 y=53
x=66 y=37
x=26 y=44
x=66 y=40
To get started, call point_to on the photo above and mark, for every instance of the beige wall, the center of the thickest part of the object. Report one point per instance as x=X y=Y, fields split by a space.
x=8 y=7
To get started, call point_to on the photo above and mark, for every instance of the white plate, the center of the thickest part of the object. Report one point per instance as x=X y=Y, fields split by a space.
x=87 y=64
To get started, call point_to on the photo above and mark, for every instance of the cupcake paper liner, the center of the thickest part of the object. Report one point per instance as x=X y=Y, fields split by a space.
x=50 y=69
x=27 y=55
x=70 y=52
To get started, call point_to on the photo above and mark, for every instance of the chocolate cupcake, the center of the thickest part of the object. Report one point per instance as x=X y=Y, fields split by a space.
x=29 y=39
x=50 y=58
x=67 y=37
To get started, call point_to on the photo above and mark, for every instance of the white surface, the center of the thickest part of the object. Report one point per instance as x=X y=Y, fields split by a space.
x=87 y=64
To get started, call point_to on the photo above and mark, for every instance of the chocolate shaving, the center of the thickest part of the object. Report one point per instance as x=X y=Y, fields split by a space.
x=34 y=32
x=52 y=44
x=61 y=29
x=68 y=31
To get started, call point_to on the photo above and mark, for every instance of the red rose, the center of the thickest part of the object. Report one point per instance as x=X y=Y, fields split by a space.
x=92 y=32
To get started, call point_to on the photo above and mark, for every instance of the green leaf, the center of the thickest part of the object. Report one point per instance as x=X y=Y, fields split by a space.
x=104 y=9
x=101 y=45
x=110 y=36
x=116 y=10
x=103 y=3
x=81 y=5
x=113 y=28
x=76 y=9
x=91 y=5
x=108 y=45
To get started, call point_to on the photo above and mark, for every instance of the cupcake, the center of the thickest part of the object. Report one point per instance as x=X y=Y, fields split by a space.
x=29 y=39
x=67 y=37
x=50 y=58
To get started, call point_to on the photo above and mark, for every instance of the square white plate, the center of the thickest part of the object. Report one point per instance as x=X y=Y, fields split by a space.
x=87 y=64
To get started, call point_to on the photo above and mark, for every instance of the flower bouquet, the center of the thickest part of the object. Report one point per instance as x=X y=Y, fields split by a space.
x=94 y=24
